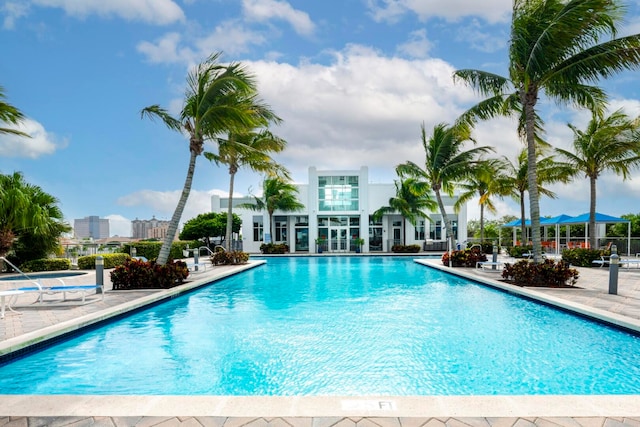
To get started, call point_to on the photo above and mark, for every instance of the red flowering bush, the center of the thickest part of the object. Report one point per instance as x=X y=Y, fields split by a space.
x=464 y=258
x=545 y=274
x=230 y=258
x=137 y=274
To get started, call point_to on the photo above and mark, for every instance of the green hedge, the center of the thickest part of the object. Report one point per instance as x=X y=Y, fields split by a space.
x=580 y=257
x=110 y=261
x=403 y=249
x=46 y=264
x=517 y=251
x=151 y=250
x=274 y=248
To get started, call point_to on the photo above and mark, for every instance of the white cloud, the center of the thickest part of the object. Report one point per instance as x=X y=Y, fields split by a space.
x=229 y=37
x=265 y=10
x=362 y=109
x=417 y=46
x=492 y=11
x=13 y=11
x=41 y=142
x=119 y=225
x=163 y=203
x=482 y=40
x=160 y=12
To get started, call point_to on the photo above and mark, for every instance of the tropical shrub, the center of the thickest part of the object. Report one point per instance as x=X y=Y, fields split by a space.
x=517 y=251
x=110 y=261
x=405 y=249
x=582 y=257
x=546 y=274
x=46 y=264
x=464 y=257
x=487 y=247
x=229 y=258
x=274 y=248
x=137 y=274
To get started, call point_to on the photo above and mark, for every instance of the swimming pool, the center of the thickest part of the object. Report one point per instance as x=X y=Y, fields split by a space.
x=42 y=275
x=338 y=326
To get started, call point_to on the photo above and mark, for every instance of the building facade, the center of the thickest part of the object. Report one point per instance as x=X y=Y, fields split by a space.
x=91 y=227
x=149 y=228
x=339 y=207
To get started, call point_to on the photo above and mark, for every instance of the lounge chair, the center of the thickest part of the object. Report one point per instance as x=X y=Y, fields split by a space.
x=62 y=287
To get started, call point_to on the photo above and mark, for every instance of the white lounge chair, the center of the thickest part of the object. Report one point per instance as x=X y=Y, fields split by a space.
x=62 y=287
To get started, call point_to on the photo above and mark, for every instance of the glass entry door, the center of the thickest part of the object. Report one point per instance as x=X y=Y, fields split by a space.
x=338 y=240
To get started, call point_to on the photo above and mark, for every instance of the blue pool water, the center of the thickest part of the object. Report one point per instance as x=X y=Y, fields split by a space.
x=338 y=326
x=43 y=275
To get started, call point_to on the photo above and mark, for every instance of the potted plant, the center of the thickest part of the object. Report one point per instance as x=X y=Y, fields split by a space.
x=359 y=242
x=319 y=243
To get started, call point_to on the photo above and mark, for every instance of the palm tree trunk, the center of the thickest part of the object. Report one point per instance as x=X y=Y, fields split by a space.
x=532 y=175
x=481 y=224
x=227 y=236
x=592 y=213
x=165 y=250
x=273 y=238
x=523 y=222
x=447 y=222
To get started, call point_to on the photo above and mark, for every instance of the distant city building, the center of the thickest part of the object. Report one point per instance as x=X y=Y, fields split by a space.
x=149 y=228
x=92 y=227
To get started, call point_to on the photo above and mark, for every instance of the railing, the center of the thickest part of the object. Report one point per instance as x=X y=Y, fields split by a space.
x=15 y=268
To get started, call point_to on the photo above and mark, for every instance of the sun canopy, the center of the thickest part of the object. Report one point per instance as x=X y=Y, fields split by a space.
x=600 y=219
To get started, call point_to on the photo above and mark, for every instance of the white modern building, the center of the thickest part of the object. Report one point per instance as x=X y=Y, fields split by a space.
x=338 y=209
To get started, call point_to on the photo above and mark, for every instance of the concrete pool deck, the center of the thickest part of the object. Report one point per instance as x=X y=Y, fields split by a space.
x=36 y=321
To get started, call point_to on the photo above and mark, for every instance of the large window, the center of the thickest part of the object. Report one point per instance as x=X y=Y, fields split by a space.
x=435 y=230
x=419 y=230
x=338 y=193
x=281 y=229
x=258 y=229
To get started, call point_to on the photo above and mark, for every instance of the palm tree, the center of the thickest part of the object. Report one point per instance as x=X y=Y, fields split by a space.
x=608 y=143
x=483 y=182
x=411 y=199
x=277 y=194
x=556 y=49
x=220 y=98
x=446 y=162
x=247 y=149
x=25 y=209
x=10 y=114
x=514 y=178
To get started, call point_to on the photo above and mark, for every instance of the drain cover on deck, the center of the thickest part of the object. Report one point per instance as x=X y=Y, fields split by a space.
x=369 y=405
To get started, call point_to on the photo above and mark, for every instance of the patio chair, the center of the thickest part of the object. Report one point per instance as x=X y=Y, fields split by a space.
x=62 y=287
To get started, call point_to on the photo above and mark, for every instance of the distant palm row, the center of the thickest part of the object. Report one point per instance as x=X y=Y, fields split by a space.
x=558 y=48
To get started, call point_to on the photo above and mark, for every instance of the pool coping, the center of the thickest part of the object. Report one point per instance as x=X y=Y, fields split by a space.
x=315 y=406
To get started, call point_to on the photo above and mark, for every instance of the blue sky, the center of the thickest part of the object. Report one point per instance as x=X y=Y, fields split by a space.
x=353 y=81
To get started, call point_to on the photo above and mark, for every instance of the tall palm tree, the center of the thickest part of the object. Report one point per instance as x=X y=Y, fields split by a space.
x=249 y=149
x=219 y=99
x=514 y=178
x=608 y=143
x=277 y=194
x=556 y=50
x=11 y=115
x=411 y=200
x=27 y=209
x=483 y=183
x=446 y=162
